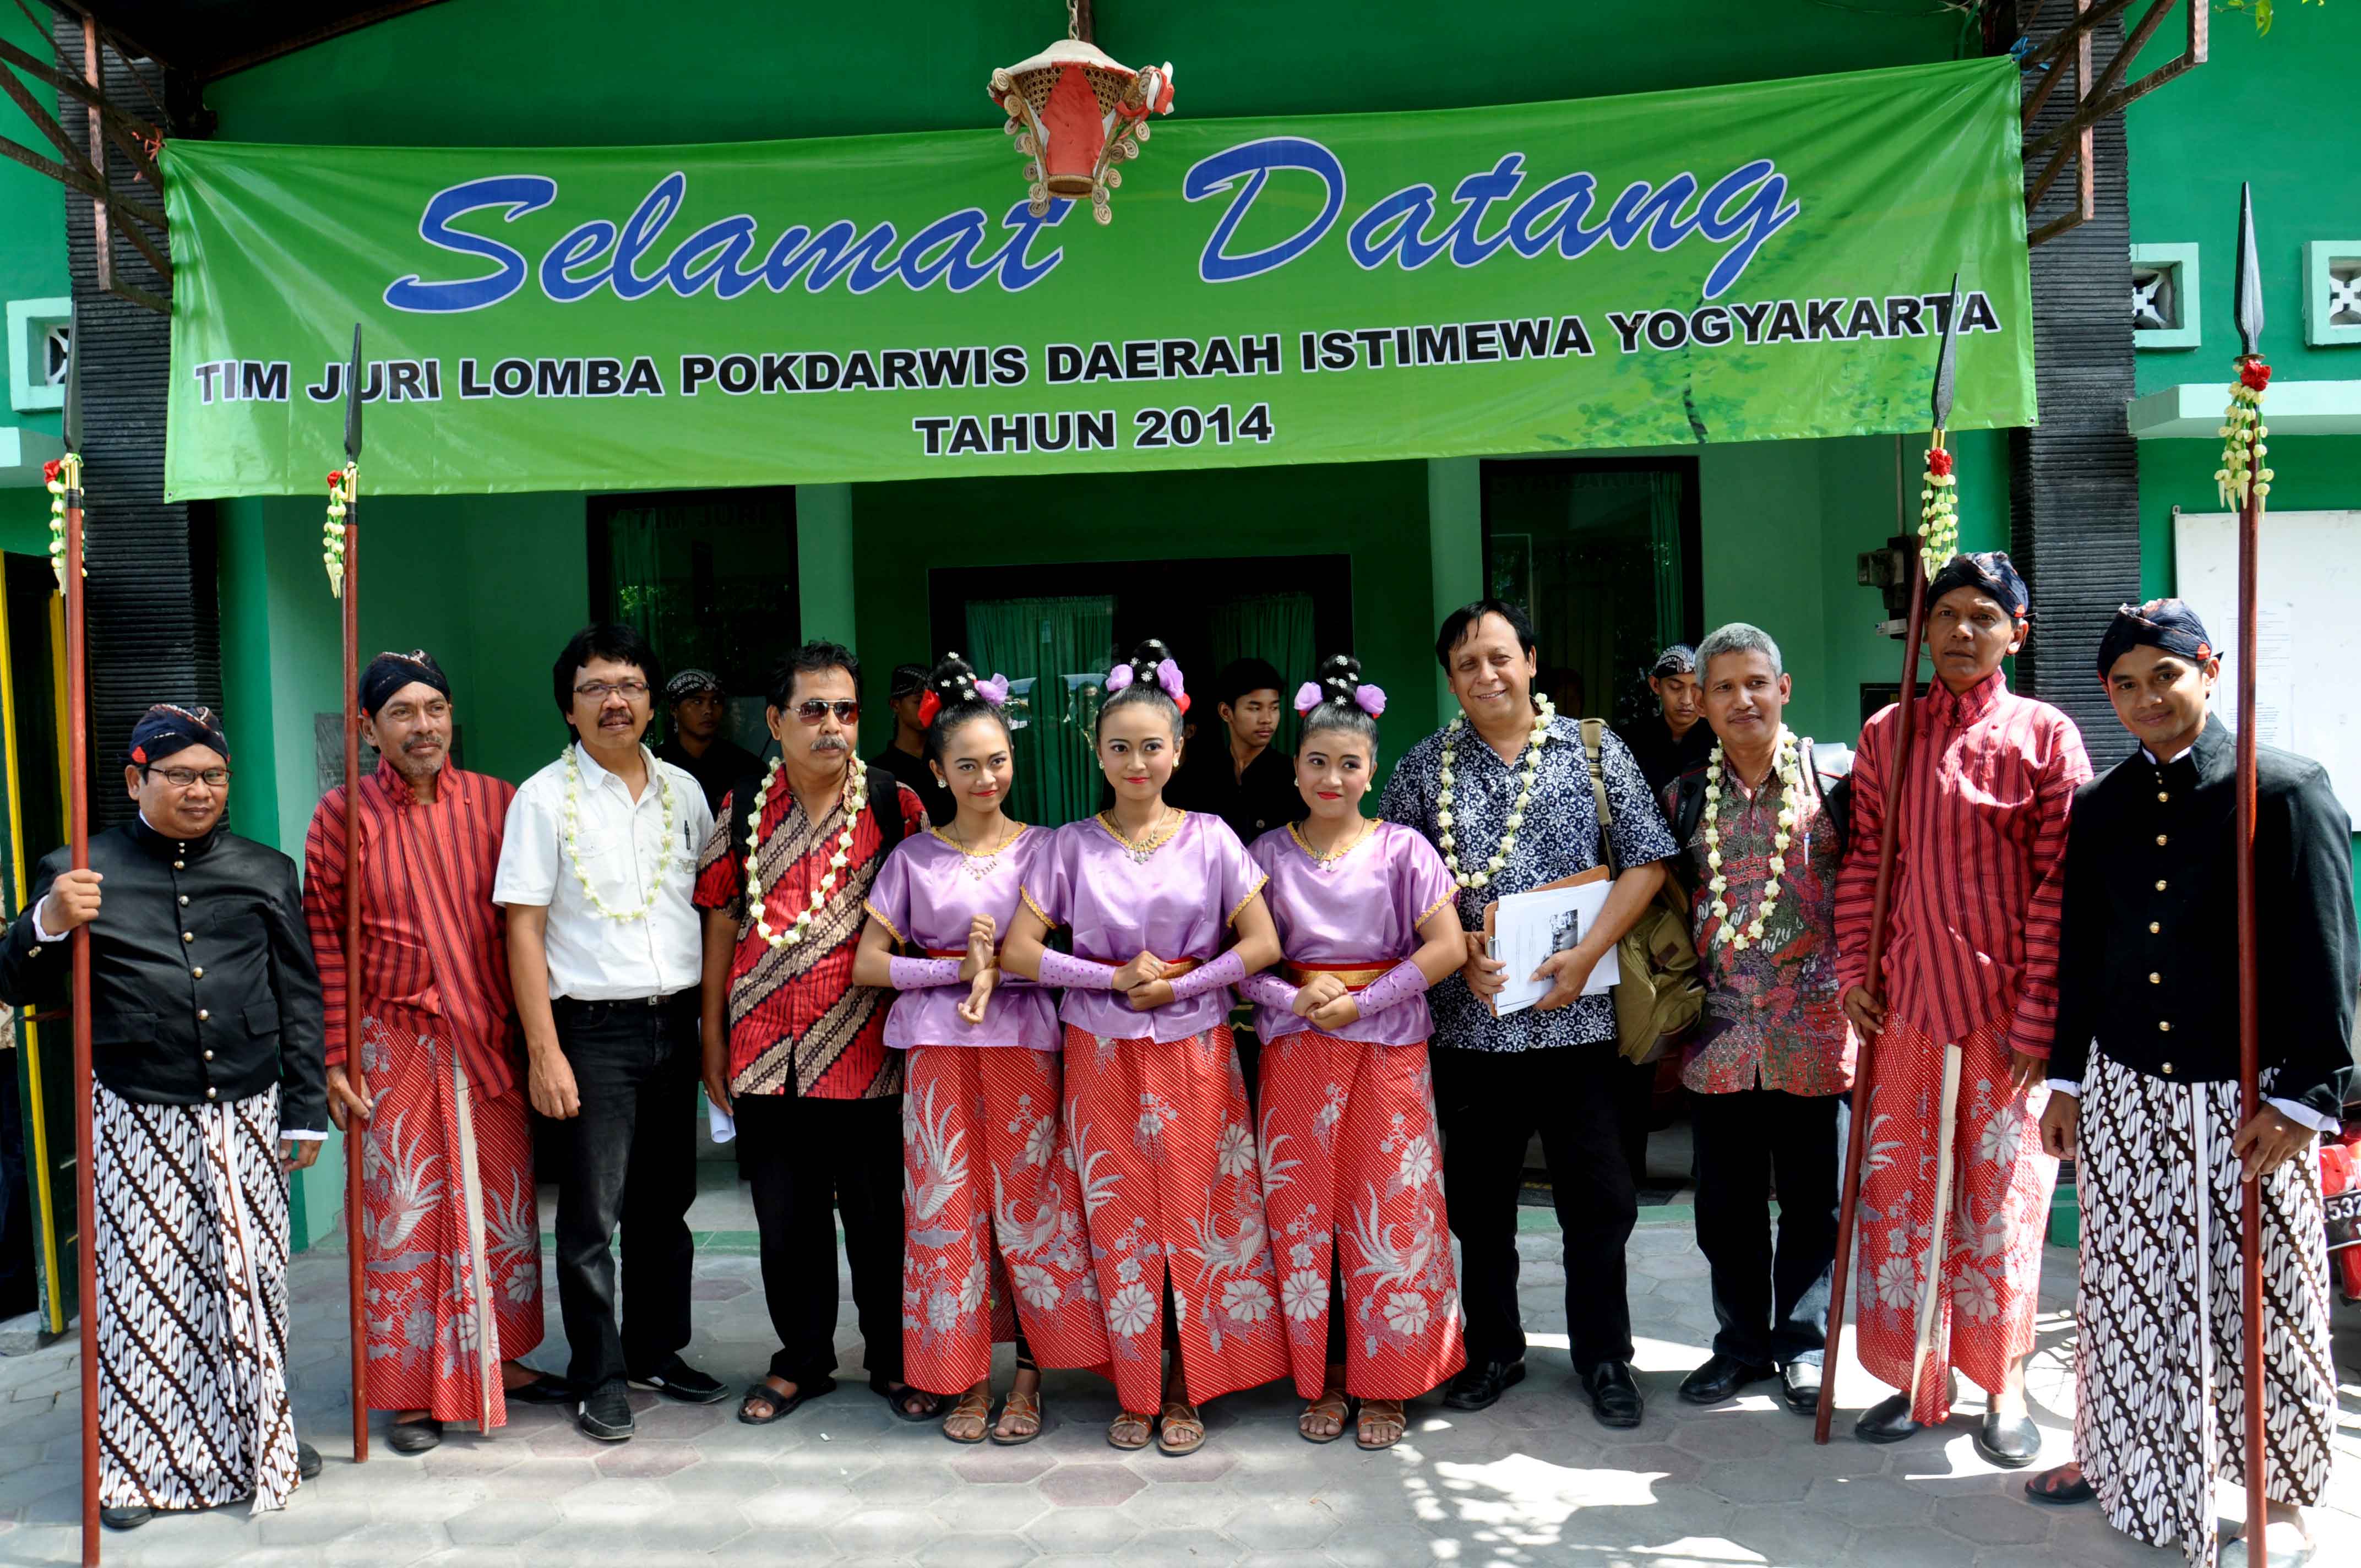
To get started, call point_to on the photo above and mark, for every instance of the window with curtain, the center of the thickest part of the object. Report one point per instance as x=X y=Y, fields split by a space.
x=1275 y=627
x=709 y=577
x=1063 y=646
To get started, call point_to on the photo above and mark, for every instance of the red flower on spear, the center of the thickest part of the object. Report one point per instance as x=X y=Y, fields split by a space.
x=336 y=477
x=49 y=471
x=1938 y=460
x=2255 y=373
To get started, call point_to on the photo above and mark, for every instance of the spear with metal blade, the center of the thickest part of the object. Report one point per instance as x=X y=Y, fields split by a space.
x=1882 y=898
x=355 y=1129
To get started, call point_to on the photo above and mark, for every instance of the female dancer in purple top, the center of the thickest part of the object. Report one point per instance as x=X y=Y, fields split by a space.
x=1155 y=1106
x=993 y=1211
x=1365 y=914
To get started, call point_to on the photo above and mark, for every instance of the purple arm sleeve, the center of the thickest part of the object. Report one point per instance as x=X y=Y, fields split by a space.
x=1398 y=984
x=1227 y=969
x=1268 y=989
x=917 y=974
x=1075 y=974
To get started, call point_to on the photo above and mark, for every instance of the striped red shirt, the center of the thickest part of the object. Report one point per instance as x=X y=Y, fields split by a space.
x=798 y=1024
x=1973 y=933
x=432 y=939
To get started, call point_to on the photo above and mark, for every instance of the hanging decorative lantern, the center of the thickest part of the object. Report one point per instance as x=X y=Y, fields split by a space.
x=1076 y=114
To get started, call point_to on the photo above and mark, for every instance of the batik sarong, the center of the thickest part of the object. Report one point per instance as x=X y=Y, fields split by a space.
x=2160 y=1374
x=451 y=1225
x=1163 y=1142
x=1351 y=1176
x=991 y=1219
x=191 y=1263
x=1987 y=1277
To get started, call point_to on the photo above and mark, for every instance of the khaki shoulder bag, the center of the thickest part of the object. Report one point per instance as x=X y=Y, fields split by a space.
x=1660 y=997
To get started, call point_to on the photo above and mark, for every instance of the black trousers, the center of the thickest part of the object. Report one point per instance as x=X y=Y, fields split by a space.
x=1772 y=1304
x=627 y=1160
x=807 y=1160
x=1488 y=1104
x=1635 y=1112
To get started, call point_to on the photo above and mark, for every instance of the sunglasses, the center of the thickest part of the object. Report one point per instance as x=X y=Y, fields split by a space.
x=812 y=710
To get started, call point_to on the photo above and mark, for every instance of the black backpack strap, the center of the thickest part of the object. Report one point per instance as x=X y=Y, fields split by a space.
x=1688 y=805
x=886 y=807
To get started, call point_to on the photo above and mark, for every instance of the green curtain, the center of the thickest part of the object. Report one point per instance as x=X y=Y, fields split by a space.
x=1047 y=640
x=706 y=581
x=1275 y=627
x=1664 y=528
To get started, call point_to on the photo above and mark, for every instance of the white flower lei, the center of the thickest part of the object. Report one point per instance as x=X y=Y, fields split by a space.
x=856 y=801
x=566 y=831
x=1532 y=760
x=1791 y=786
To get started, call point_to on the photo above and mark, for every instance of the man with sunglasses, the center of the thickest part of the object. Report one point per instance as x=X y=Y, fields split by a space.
x=598 y=860
x=211 y=1087
x=793 y=1048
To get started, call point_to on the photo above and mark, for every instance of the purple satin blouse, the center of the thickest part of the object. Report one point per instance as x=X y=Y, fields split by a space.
x=1362 y=908
x=1175 y=903
x=928 y=894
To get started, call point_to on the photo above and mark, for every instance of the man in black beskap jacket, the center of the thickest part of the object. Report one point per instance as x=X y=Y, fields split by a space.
x=2144 y=1070
x=205 y=1042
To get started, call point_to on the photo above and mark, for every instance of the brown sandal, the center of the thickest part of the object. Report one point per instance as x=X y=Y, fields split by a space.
x=973 y=1407
x=1183 y=1428
x=1383 y=1422
x=1023 y=1413
x=1130 y=1430
x=1333 y=1405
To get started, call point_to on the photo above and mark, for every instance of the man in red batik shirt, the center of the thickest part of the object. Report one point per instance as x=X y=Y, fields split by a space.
x=796 y=1051
x=449 y=1217
x=1955 y=1189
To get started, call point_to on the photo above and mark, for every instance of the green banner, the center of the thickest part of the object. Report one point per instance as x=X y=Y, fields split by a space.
x=1740 y=263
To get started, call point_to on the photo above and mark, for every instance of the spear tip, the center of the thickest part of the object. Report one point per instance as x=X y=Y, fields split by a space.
x=69 y=421
x=1947 y=360
x=352 y=401
x=2249 y=312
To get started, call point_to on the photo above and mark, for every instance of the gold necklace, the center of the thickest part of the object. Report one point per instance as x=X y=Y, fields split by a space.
x=980 y=864
x=1327 y=862
x=1150 y=843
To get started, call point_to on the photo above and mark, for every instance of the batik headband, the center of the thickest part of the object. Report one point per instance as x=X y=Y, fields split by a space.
x=2168 y=624
x=167 y=728
x=388 y=672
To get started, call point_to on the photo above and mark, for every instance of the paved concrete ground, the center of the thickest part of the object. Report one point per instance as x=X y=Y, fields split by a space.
x=1532 y=1481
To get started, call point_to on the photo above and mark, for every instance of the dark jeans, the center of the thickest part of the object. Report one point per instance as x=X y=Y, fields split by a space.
x=803 y=1158
x=1774 y=1307
x=1488 y=1104
x=627 y=1159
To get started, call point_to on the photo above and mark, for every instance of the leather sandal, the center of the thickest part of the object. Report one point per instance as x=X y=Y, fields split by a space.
x=973 y=1411
x=1333 y=1405
x=1023 y=1413
x=1183 y=1430
x=1383 y=1422
x=1130 y=1431
x=2047 y=1488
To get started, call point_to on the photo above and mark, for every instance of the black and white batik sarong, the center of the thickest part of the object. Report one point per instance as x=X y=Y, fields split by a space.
x=2159 y=1375
x=191 y=1261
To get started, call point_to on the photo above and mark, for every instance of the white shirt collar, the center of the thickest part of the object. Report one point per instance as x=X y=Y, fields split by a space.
x=600 y=776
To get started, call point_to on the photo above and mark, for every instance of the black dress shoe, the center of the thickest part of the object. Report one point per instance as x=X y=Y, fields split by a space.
x=2046 y=1488
x=307 y=1461
x=1799 y=1387
x=547 y=1389
x=1479 y=1387
x=125 y=1518
x=414 y=1437
x=1888 y=1420
x=677 y=1379
x=1721 y=1377
x=607 y=1412
x=2010 y=1443
x=1614 y=1396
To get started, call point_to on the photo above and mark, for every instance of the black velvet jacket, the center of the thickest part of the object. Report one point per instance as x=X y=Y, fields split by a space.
x=202 y=986
x=2147 y=964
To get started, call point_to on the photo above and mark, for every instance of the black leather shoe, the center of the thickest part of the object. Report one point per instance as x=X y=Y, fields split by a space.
x=1481 y=1387
x=547 y=1389
x=1888 y=1420
x=307 y=1461
x=414 y=1437
x=2048 y=1488
x=125 y=1518
x=1799 y=1387
x=607 y=1412
x=2011 y=1444
x=1614 y=1396
x=677 y=1379
x=1721 y=1377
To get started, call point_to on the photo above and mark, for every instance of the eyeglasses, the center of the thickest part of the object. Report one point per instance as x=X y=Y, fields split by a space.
x=812 y=710
x=181 y=778
x=599 y=691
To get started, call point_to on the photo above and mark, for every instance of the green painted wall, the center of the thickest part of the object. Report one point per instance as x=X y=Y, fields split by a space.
x=32 y=242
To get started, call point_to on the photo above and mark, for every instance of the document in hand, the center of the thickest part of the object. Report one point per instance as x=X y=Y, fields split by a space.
x=1524 y=928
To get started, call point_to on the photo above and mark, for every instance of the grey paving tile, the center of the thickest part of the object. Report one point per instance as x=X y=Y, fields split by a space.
x=1870 y=1500
x=1098 y=1484
x=502 y=1523
x=1995 y=1518
x=1280 y=1523
x=1081 y=1531
x=992 y=1463
x=979 y=1550
x=896 y=1532
x=646 y=1458
x=801 y=1506
x=1918 y=1547
x=1180 y=1549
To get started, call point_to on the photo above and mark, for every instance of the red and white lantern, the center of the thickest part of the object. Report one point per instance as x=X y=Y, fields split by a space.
x=1076 y=114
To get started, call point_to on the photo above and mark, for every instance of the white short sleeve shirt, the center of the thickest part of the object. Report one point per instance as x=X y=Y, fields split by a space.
x=626 y=852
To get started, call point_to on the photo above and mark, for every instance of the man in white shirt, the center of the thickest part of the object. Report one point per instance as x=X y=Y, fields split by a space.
x=597 y=864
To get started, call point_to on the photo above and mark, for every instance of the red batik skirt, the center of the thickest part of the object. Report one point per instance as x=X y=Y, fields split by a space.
x=1984 y=1258
x=1351 y=1176
x=451 y=1227
x=1162 y=1139
x=992 y=1219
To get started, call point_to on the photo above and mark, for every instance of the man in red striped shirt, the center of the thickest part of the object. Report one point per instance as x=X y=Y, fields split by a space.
x=1955 y=1190
x=453 y=1233
x=793 y=1048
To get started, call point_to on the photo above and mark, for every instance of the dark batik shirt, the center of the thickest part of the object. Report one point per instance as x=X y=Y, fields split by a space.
x=1559 y=837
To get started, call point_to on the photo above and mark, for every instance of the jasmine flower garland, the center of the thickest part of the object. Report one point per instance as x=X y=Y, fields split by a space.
x=856 y=800
x=1787 y=765
x=566 y=829
x=1531 y=756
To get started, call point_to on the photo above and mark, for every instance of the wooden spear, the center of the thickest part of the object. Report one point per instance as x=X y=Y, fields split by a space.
x=355 y=1128
x=1881 y=897
x=2249 y=315
x=78 y=841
